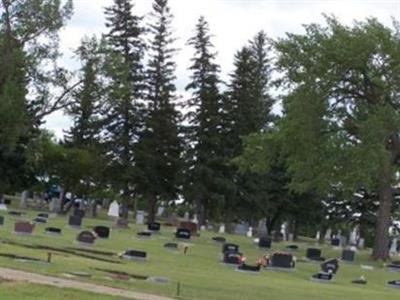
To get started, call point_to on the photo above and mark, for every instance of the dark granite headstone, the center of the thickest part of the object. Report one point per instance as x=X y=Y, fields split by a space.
x=335 y=242
x=230 y=248
x=322 y=277
x=248 y=268
x=282 y=260
x=171 y=246
x=219 y=239
x=394 y=266
x=183 y=233
x=348 y=255
x=24 y=227
x=394 y=283
x=102 y=232
x=144 y=235
x=15 y=213
x=314 y=254
x=75 y=221
x=79 y=213
x=330 y=266
x=192 y=227
x=264 y=242
x=40 y=220
x=86 y=237
x=232 y=258
x=53 y=231
x=43 y=215
x=154 y=227
x=135 y=255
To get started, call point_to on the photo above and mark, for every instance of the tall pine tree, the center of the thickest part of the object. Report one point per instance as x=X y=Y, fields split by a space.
x=159 y=148
x=204 y=173
x=126 y=91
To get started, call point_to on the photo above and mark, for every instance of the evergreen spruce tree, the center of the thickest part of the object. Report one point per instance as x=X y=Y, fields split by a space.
x=125 y=94
x=159 y=148
x=204 y=170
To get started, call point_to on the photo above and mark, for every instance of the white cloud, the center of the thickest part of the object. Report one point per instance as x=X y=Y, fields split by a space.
x=232 y=22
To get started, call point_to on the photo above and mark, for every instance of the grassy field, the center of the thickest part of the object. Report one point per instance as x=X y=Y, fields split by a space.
x=19 y=291
x=200 y=274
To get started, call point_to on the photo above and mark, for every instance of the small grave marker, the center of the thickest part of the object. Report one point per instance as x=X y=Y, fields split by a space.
x=102 y=232
x=86 y=237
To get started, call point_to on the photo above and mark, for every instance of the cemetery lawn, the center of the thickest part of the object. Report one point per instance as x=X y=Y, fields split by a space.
x=200 y=274
x=18 y=290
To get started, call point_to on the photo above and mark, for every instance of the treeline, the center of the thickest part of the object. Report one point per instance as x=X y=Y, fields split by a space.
x=329 y=160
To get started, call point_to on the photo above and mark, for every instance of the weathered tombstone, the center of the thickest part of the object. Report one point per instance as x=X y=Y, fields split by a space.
x=232 y=258
x=230 y=248
x=393 y=246
x=335 y=242
x=353 y=237
x=86 y=237
x=360 y=280
x=154 y=227
x=262 y=228
x=219 y=239
x=192 y=227
x=221 y=228
x=173 y=219
x=250 y=232
x=361 y=243
x=182 y=233
x=264 y=242
x=328 y=235
x=43 y=215
x=40 y=220
x=79 y=213
x=318 y=236
x=241 y=229
x=140 y=217
x=282 y=260
x=314 y=254
x=1 y=220
x=343 y=241
x=113 y=210
x=102 y=232
x=122 y=223
x=348 y=255
x=24 y=228
x=52 y=231
x=143 y=235
x=330 y=266
x=135 y=255
x=186 y=216
x=75 y=221
x=171 y=246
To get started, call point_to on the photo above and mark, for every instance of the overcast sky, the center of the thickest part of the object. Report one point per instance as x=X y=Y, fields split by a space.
x=232 y=22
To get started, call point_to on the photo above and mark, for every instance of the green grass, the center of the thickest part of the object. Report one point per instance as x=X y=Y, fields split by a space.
x=19 y=291
x=200 y=274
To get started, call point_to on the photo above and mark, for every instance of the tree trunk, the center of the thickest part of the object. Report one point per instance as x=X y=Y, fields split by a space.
x=200 y=212
x=381 y=241
x=152 y=209
x=24 y=199
x=94 y=208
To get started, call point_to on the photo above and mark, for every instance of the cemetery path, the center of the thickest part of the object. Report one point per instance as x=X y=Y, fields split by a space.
x=15 y=275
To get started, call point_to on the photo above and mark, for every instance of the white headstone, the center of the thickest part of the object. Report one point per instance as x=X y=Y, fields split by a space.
x=291 y=237
x=113 y=210
x=393 y=247
x=202 y=228
x=195 y=220
x=250 y=232
x=3 y=207
x=140 y=217
x=353 y=237
x=328 y=235
x=186 y=216
x=361 y=243
x=318 y=236
x=160 y=210
x=221 y=228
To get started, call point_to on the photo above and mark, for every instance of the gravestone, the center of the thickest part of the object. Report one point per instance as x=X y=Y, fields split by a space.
x=79 y=213
x=328 y=235
x=314 y=254
x=192 y=227
x=250 y=232
x=282 y=260
x=219 y=239
x=75 y=221
x=154 y=227
x=232 y=258
x=330 y=266
x=171 y=246
x=322 y=277
x=348 y=255
x=113 y=210
x=394 y=266
x=233 y=248
x=183 y=233
x=264 y=242
x=241 y=229
x=15 y=213
x=102 y=232
x=52 y=231
x=3 y=207
x=262 y=228
x=140 y=217
x=394 y=283
x=335 y=242
x=173 y=219
x=393 y=246
x=360 y=280
x=249 y=268
x=40 y=220
x=24 y=228
x=1 y=220
x=43 y=215
x=292 y=247
x=186 y=216
x=122 y=223
x=221 y=228
x=143 y=235
x=86 y=237
x=135 y=255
